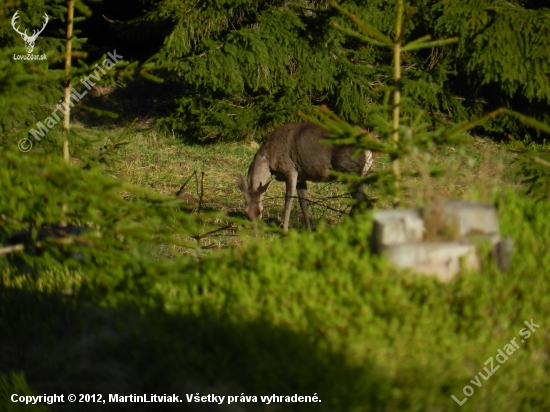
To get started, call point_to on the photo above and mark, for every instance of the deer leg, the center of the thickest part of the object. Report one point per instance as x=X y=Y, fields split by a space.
x=290 y=192
x=301 y=188
x=359 y=193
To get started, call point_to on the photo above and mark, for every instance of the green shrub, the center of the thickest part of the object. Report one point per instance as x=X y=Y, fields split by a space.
x=412 y=341
x=310 y=313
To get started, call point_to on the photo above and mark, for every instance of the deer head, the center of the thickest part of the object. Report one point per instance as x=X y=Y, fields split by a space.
x=29 y=40
x=253 y=206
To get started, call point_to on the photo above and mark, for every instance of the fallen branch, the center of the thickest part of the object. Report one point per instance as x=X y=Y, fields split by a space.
x=12 y=249
x=541 y=161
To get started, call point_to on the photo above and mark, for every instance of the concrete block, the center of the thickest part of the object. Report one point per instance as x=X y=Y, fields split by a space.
x=467 y=218
x=397 y=226
x=441 y=259
x=461 y=227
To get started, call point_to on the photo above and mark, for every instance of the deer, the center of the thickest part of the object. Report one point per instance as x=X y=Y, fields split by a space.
x=29 y=40
x=294 y=154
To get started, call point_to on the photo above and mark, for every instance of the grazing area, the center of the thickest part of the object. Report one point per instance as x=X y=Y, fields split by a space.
x=162 y=163
x=130 y=276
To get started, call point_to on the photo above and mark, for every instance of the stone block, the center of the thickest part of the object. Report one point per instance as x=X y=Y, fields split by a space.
x=461 y=227
x=397 y=226
x=467 y=218
x=441 y=259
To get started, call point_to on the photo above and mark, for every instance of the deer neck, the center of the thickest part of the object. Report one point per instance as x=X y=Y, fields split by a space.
x=259 y=173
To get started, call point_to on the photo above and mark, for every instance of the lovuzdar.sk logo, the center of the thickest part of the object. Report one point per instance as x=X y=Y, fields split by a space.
x=29 y=40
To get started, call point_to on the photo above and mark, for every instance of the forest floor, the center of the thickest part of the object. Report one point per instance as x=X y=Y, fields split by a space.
x=172 y=167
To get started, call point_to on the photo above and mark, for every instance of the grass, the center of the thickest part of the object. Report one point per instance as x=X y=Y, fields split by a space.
x=307 y=313
x=328 y=319
x=165 y=165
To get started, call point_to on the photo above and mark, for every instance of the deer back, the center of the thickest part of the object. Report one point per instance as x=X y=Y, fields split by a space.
x=297 y=147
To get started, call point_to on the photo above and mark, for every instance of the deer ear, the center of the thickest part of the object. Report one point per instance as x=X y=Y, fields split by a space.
x=263 y=188
x=240 y=183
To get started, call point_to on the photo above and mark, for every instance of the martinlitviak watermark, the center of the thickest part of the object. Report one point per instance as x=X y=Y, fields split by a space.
x=29 y=40
x=501 y=357
x=26 y=144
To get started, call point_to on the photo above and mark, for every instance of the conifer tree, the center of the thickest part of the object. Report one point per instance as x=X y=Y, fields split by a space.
x=32 y=90
x=249 y=66
x=502 y=58
x=26 y=85
x=106 y=235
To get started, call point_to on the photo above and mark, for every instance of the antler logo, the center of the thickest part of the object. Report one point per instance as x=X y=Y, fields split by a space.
x=29 y=40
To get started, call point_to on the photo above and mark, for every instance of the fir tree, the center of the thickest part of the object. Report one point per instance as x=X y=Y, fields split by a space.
x=502 y=58
x=249 y=66
x=40 y=192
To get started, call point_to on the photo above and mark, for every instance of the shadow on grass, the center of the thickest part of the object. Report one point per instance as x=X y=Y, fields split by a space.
x=66 y=347
x=146 y=100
